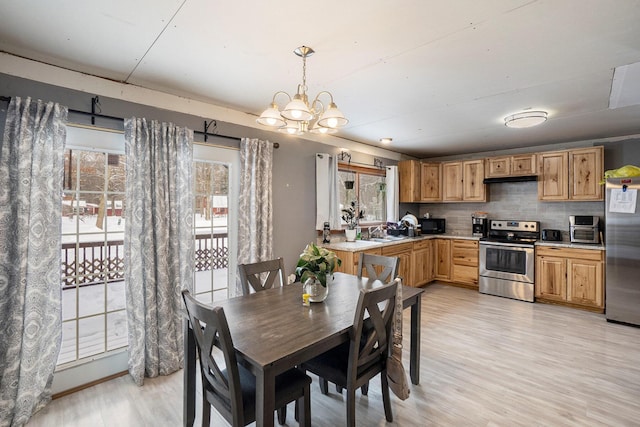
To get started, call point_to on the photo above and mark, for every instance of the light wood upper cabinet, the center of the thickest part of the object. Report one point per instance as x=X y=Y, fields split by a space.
x=419 y=182
x=462 y=181
x=586 y=169
x=430 y=182
x=498 y=167
x=562 y=175
x=571 y=276
x=571 y=174
x=554 y=174
x=452 y=182
x=474 y=189
x=518 y=165
x=524 y=164
x=409 y=181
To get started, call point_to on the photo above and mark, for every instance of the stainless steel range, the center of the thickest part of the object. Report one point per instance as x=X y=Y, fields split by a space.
x=507 y=259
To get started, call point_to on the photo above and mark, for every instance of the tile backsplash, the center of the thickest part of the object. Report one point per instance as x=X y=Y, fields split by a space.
x=511 y=200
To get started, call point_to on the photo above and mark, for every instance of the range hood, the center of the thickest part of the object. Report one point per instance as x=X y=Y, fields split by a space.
x=525 y=178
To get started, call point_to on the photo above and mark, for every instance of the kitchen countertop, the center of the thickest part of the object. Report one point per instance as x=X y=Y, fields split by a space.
x=363 y=245
x=594 y=247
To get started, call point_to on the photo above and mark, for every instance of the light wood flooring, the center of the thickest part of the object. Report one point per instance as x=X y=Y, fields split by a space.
x=486 y=361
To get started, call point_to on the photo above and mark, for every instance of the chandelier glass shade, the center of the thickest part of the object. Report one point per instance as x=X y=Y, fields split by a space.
x=300 y=116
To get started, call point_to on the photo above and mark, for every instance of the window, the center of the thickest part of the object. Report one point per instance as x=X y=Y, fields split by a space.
x=365 y=186
x=94 y=320
x=216 y=182
x=211 y=210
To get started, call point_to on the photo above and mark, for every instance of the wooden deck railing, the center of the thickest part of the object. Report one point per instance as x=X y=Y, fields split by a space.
x=98 y=262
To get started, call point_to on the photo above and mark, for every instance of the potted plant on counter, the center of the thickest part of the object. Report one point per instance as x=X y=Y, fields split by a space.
x=314 y=268
x=351 y=216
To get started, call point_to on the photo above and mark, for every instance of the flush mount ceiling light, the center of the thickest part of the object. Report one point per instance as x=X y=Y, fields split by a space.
x=300 y=116
x=525 y=119
x=386 y=140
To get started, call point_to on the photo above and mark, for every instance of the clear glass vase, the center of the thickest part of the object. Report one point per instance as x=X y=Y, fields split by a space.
x=317 y=292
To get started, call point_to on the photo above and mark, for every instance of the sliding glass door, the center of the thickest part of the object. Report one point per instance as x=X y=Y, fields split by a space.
x=94 y=329
x=215 y=221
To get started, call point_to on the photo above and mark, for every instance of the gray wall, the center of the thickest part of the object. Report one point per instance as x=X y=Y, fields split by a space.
x=293 y=169
x=515 y=200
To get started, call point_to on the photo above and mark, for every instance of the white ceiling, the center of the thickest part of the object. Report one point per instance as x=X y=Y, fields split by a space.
x=436 y=76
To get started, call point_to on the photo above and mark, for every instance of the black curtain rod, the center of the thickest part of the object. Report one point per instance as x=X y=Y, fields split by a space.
x=377 y=163
x=104 y=116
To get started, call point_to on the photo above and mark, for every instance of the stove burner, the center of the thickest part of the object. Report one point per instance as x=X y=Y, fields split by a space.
x=510 y=231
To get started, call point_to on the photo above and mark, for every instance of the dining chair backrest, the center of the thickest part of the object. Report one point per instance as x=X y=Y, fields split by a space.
x=372 y=332
x=211 y=329
x=388 y=267
x=261 y=275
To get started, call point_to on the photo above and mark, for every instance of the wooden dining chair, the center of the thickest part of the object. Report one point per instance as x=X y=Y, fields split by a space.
x=227 y=385
x=261 y=275
x=378 y=267
x=352 y=364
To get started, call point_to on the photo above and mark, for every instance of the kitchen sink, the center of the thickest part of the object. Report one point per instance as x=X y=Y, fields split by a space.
x=387 y=239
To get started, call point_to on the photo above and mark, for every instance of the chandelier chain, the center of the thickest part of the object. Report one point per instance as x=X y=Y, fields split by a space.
x=304 y=73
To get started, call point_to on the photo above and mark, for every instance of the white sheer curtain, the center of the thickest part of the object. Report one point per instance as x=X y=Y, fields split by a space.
x=255 y=211
x=327 y=193
x=31 y=174
x=393 y=194
x=158 y=243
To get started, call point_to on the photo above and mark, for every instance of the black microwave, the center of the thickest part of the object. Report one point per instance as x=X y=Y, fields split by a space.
x=432 y=225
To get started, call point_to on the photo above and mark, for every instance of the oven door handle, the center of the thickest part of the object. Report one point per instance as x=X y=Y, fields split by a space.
x=513 y=245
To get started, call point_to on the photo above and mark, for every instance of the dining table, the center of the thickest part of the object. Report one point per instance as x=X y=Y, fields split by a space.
x=272 y=332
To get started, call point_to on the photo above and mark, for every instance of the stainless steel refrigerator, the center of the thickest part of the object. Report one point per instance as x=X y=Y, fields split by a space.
x=622 y=242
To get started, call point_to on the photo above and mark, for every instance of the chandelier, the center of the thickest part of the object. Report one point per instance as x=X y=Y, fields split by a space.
x=300 y=116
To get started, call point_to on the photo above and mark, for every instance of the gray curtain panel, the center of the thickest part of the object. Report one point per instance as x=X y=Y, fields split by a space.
x=255 y=212
x=31 y=173
x=159 y=243
x=327 y=192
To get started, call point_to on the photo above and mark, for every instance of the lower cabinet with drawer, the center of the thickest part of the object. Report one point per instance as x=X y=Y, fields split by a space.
x=570 y=276
x=464 y=262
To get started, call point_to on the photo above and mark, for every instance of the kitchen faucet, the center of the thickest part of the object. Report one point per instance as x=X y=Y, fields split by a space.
x=375 y=229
